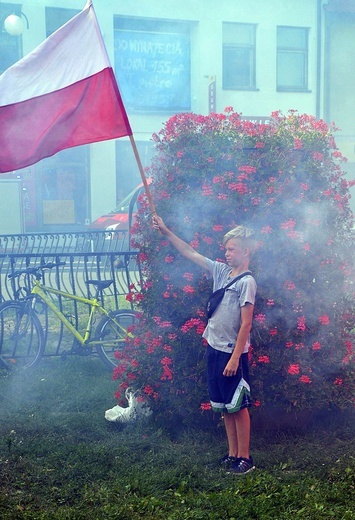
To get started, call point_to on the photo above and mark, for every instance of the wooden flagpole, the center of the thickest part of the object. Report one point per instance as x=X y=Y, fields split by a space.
x=144 y=179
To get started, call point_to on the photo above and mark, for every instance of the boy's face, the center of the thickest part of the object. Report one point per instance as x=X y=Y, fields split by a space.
x=236 y=253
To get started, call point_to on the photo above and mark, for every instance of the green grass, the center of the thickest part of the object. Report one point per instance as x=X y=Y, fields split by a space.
x=60 y=459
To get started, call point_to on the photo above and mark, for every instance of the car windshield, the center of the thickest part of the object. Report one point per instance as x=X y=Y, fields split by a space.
x=123 y=206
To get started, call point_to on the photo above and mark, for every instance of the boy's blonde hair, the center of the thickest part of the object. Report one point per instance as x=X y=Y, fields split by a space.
x=246 y=235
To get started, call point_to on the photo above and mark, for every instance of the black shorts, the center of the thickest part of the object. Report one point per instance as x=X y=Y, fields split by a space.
x=229 y=394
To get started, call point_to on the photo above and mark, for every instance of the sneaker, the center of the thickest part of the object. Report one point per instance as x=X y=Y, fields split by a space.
x=227 y=461
x=242 y=466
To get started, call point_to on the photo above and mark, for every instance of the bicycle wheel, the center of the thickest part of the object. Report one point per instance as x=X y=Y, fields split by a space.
x=21 y=335
x=113 y=332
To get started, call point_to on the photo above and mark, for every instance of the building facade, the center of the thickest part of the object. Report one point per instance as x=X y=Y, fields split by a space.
x=256 y=56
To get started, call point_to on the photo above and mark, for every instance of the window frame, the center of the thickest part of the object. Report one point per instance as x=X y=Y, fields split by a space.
x=58 y=16
x=293 y=51
x=239 y=47
x=127 y=172
x=170 y=82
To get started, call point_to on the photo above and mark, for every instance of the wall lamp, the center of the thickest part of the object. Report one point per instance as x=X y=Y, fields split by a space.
x=13 y=23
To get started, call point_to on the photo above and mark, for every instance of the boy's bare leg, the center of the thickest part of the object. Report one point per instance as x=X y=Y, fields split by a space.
x=242 y=419
x=238 y=432
x=231 y=430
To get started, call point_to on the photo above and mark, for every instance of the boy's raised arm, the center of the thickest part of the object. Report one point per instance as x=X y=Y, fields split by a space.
x=183 y=247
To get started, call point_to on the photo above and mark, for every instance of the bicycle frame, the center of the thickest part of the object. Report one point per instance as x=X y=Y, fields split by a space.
x=41 y=291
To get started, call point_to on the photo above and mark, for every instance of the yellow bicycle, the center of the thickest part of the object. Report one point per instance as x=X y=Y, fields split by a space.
x=22 y=339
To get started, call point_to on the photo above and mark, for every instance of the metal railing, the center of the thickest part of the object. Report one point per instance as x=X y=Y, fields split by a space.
x=82 y=264
x=61 y=242
x=123 y=268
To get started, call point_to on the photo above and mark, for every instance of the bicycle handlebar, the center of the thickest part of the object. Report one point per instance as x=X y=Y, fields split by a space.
x=35 y=270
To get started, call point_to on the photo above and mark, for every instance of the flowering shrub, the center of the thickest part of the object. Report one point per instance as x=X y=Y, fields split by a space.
x=284 y=179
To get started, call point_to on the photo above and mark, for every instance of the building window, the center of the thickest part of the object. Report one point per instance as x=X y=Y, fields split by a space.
x=58 y=16
x=60 y=196
x=292 y=58
x=239 y=56
x=152 y=64
x=127 y=172
x=57 y=194
x=10 y=46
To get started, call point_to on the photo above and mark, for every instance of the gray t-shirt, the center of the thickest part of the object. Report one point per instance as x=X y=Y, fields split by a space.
x=222 y=328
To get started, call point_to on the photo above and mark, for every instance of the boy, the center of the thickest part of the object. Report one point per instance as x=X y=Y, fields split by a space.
x=228 y=336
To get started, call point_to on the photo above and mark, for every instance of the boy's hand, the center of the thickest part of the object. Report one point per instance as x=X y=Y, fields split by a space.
x=231 y=368
x=159 y=225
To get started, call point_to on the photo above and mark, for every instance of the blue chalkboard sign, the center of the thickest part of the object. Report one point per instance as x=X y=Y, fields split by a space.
x=153 y=70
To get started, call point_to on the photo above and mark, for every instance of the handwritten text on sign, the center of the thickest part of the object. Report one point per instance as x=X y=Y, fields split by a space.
x=153 y=70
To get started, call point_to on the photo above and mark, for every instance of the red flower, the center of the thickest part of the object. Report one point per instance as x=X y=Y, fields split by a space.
x=298 y=346
x=263 y=359
x=191 y=323
x=266 y=229
x=301 y=323
x=239 y=187
x=206 y=190
x=324 y=320
x=118 y=371
x=167 y=374
x=294 y=369
x=247 y=169
x=260 y=318
x=337 y=154
x=149 y=390
x=305 y=379
x=205 y=406
x=297 y=144
x=289 y=224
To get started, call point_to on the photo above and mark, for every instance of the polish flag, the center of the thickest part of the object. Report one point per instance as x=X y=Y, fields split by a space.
x=63 y=94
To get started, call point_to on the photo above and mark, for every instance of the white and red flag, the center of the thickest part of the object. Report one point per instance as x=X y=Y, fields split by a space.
x=63 y=94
